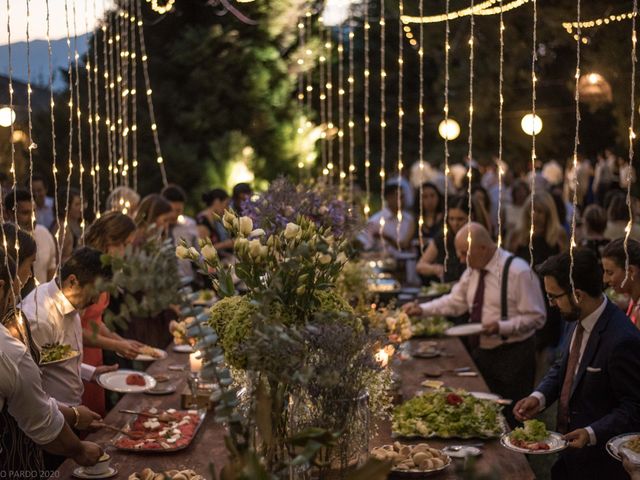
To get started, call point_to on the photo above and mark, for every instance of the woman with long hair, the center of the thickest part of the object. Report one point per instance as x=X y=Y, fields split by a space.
x=432 y=210
x=154 y=213
x=111 y=233
x=614 y=259
x=431 y=265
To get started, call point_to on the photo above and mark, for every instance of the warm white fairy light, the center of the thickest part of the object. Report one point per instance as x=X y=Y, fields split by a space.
x=76 y=57
x=447 y=48
x=632 y=136
x=125 y=92
x=367 y=119
x=161 y=9
x=576 y=142
x=534 y=57
x=341 y=119
x=500 y=126
x=322 y=86
x=470 y=151
x=90 y=107
x=400 y=118
x=32 y=143
x=121 y=153
x=351 y=120
x=330 y=98
x=421 y=126
x=147 y=81
x=483 y=8
x=300 y=62
x=597 y=22
x=133 y=94
x=11 y=125
x=308 y=55
x=113 y=120
x=383 y=112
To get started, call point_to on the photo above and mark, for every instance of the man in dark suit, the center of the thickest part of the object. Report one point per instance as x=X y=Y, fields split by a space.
x=597 y=379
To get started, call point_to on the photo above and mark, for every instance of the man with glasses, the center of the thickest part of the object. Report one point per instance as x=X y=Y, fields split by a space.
x=596 y=381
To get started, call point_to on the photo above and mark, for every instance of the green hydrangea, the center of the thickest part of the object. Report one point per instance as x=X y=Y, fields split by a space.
x=232 y=319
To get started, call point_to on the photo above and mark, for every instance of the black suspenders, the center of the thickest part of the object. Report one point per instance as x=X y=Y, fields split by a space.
x=505 y=289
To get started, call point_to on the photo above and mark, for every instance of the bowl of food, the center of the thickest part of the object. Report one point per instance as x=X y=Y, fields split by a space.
x=412 y=461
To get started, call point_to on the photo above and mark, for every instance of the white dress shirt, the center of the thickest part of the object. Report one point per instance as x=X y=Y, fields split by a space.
x=53 y=319
x=45 y=255
x=525 y=304
x=588 y=323
x=36 y=414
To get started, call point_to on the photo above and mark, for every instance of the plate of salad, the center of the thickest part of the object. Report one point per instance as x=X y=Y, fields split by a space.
x=436 y=289
x=429 y=326
x=57 y=353
x=447 y=413
x=533 y=439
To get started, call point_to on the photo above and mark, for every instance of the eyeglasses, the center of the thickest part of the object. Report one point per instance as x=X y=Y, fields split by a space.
x=552 y=298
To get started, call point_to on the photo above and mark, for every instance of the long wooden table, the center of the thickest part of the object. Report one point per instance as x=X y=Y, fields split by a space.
x=208 y=446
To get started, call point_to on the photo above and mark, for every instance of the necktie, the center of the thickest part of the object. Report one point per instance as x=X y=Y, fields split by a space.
x=476 y=310
x=565 y=393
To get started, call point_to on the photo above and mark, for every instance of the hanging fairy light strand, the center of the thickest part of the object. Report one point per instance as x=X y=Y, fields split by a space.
x=421 y=126
x=351 y=120
x=32 y=144
x=632 y=136
x=76 y=57
x=113 y=169
x=341 y=173
x=54 y=156
x=484 y=8
x=91 y=119
x=322 y=63
x=400 y=120
x=470 y=139
x=125 y=73
x=119 y=107
x=308 y=54
x=576 y=142
x=134 y=94
x=147 y=81
x=534 y=80
x=367 y=119
x=96 y=122
x=500 y=125
x=330 y=99
x=383 y=112
x=596 y=22
x=11 y=127
x=445 y=227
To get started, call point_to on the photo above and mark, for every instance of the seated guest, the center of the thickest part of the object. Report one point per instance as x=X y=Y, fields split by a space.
x=505 y=351
x=45 y=214
x=382 y=229
x=618 y=219
x=52 y=311
x=596 y=381
x=431 y=265
x=154 y=213
x=17 y=206
x=614 y=261
x=593 y=227
x=241 y=193
x=68 y=212
x=30 y=421
x=432 y=211
x=124 y=200
x=216 y=201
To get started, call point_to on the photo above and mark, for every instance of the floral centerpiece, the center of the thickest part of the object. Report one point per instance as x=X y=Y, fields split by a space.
x=394 y=321
x=302 y=349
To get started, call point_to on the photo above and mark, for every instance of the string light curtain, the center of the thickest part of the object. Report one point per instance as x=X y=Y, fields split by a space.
x=421 y=125
x=399 y=215
x=383 y=112
x=470 y=139
x=499 y=167
x=534 y=79
x=367 y=119
x=447 y=48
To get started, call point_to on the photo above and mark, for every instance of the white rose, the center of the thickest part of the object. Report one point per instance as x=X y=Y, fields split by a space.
x=182 y=252
x=254 y=248
x=241 y=244
x=228 y=220
x=210 y=253
x=245 y=226
x=291 y=231
x=258 y=232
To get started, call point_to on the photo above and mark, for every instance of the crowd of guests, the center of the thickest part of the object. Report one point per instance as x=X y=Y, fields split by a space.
x=50 y=270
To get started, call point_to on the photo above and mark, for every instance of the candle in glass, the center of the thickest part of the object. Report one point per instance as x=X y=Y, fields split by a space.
x=195 y=362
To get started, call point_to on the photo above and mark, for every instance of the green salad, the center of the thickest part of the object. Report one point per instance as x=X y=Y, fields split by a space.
x=436 y=288
x=448 y=413
x=56 y=352
x=429 y=326
x=532 y=431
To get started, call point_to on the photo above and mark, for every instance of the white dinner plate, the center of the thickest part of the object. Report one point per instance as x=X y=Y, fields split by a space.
x=464 y=330
x=554 y=440
x=149 y=358
x=117 y=381
x=75 y=354
x=616 y=444
x=80 y=473
x=183 y=348
x=485 y=396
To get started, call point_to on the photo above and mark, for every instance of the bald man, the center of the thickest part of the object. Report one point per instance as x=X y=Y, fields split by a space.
x=503 y=294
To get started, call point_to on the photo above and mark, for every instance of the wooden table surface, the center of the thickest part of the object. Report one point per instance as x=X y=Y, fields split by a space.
x=208 y=446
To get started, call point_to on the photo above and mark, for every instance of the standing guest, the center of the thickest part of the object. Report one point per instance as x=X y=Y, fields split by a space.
x=52 y=311
x=614 y=260
x=431 y=265
x=520 y=191
x=17 y=206
x=181 y=227
x=109 y=234
x=596 y=381
x=432 y=210
x=68 y=212
x=124 y=200
x=499 y=291
x=45 y=214
x=216 y=201
x=593 y=228
x=618 y=218
x=241 y=193
x=154 y=212
x=388 y=239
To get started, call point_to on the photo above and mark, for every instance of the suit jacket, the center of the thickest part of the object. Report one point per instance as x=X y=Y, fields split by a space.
x=605 y=393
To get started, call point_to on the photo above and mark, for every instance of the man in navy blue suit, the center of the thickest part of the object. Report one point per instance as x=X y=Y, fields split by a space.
x=597 y=379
